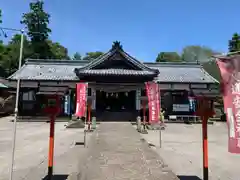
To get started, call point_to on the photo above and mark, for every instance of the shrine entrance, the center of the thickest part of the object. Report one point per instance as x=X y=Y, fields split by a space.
x=116 y=101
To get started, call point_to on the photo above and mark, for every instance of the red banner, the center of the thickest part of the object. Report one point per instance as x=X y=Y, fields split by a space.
x=81 y=95
x=153 y=101
x=230 y=87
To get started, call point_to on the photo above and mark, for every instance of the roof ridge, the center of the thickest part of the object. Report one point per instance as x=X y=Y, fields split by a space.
x=135 y=60
x=55 y=61
x=174 y=63
x=205 y=72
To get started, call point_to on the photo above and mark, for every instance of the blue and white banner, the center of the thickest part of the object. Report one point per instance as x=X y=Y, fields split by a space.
x=67 y=105
x=192 y=104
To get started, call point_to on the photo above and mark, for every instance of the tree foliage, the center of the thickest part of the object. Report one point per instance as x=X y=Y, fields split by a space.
x=36 y=42
x=11 y=51
x=168 y=57
x=77 y=56
x=193 y=53
x=57 y=51
x=36 y=22
x=92 y=55
x=196 y=53
x=234 y=43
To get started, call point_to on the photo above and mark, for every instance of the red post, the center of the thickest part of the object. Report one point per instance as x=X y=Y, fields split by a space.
x=51 y=147
x=205 y=146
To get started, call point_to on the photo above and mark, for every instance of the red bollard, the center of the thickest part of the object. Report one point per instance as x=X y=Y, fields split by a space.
x=51 y=147
x=205 y=147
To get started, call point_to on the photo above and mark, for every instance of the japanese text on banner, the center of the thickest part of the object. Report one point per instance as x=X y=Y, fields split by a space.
x=236 y=102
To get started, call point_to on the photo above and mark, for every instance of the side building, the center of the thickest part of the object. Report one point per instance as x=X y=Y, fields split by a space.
x=116 y=84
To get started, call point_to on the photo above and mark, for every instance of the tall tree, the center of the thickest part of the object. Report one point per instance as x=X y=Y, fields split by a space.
x=168 y=57
x=37 y=21
x=196 y=53
x=234 y=43
x=92 y=55
x=57 y=50
x=77 y=56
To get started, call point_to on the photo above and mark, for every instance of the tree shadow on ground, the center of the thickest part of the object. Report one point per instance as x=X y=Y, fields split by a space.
x=184 y=177
x=57 y=177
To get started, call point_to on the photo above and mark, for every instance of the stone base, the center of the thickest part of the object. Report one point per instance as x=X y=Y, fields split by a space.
x=155 y=127
x=75 y=124
x=144 y=131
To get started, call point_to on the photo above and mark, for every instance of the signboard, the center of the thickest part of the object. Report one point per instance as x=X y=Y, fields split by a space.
x=230 y=88
x=53 y=105
x=81 y=101
x=181 y=107
x=153 y=101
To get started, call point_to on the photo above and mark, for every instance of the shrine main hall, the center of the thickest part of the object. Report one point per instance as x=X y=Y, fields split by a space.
x=116 y=84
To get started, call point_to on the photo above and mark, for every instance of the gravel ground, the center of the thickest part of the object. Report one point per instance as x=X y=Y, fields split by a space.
x=32 y=149
x=182 y=151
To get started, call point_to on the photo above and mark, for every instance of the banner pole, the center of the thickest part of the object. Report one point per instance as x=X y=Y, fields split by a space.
x=144 y=116
x=89 y=117
x=160 y=137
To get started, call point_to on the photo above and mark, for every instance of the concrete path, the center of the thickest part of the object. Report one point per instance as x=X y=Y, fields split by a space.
x=117 y=152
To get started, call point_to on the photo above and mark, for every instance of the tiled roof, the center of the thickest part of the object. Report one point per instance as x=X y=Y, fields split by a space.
x=106 y=72
x=64 y=70
x=48 y=70
x=181 y=72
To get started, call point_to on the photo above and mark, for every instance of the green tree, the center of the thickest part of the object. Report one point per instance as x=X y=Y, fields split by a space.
x=57 y=50
x=202 y=55
x=196 y=53
x=168 y=57
x=10 y=54
x=37 y=21
x=234 y=43
x=77 y=56
x=92 y=55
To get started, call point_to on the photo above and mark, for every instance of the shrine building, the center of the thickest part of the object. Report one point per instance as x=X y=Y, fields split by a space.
x=116 y=84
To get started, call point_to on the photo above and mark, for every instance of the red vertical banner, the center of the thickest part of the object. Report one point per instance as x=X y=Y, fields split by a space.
x=230 y=87
x=81 y=95
x=152 y=90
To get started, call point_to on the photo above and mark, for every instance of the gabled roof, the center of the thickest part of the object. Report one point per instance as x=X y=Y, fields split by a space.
x=117 y=50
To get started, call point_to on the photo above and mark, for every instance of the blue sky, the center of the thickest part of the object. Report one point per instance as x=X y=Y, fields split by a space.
x=144 y=27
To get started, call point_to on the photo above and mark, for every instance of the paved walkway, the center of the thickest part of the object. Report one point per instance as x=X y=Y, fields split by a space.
x=117 y=152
